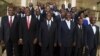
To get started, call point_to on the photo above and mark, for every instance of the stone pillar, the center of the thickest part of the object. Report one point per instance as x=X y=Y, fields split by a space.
x=73 y=3
x=23 y=3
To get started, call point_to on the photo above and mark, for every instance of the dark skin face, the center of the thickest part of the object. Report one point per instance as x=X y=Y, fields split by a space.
x=18 y=10
x=63 y=6
x=10 y=11
x=69 y=5
x=37 y=11
x=68 y=16
x=93 y=20
x=47 y=9
x=27 y=11
x=30 y=5
x=63 y=13
x=80 y=21
x=49 y=15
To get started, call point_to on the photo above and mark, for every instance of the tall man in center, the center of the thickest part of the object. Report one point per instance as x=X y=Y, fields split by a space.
x=28 y=33
x=48 y=35
x=66 y=30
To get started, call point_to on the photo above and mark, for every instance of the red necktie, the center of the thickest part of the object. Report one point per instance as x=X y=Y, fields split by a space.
x=28 y=22
x=10 y=22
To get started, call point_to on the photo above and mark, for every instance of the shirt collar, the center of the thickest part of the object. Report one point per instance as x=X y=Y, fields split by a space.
x=11 y=16
x=67 y=20
x=51 y=19
x=29 y=16
x=92 y=24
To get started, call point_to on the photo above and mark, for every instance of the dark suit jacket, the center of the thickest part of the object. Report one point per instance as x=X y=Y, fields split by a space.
x=79 y=35
x=41 y=18
x=48 y=36
x=65 y=34
x=91 y=38
x=28 y=34
x=69 y=10
x=32 y=11
x=8 y=32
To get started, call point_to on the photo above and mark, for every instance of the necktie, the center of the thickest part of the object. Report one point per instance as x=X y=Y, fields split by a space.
x=80 y=27
x=49 y=25
x=10 y=21
x=28 y=22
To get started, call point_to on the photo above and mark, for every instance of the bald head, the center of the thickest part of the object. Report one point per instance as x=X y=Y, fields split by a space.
x=92 y=20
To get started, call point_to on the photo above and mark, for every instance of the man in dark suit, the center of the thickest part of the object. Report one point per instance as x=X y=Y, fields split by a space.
x=9 y=32
x=79 y=38
x=92 y=37
x=65 y=39
x=48 y=35
x=31 y=9
x=38 y=15
x=39 y=18
x=69 y=9
x=28 y=33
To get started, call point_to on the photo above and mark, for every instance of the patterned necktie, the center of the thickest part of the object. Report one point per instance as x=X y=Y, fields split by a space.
x=49 y=25
x=10 y=22
x=28 y=22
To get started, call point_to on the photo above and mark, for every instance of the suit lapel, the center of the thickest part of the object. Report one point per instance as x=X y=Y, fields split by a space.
x=25 y=22
x=46 y=26
x=31 y=22
x=91 y=29
x=96 y=30
x=65 y=25
x=52 y=23
x=8 y=24
x=14 y=21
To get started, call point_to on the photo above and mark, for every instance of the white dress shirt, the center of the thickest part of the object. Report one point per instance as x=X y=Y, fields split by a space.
x=11 y=17
x=38 y=17
x=29 y=18
x=49 y=21
x=68 y=23
x=94 y=29
x=79 y=26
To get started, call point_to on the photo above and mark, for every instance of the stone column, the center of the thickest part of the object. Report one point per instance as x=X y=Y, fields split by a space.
x=73 y=3
x=23 y=3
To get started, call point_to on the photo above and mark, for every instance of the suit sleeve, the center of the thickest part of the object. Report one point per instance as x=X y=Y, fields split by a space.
x=2 y=30
x=85 y=37
x=56 y=34
x=74 y=35
x=20 y=28
x=36 y=29
x=40 y=32
x=98 y=37
x=59 y=33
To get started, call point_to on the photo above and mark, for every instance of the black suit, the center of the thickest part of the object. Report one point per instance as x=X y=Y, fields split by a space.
x=28 y=35
x=79 y=40
x=66 y=38
x=92 y=40
x=47 y=37
x=69 y=9
x=32 y=11
x=10 y=35
x=39 y=19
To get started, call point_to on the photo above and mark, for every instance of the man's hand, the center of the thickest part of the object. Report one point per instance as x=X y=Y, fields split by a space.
x=55 y=44
x=86 y=47
x=2 y=43
x=40 y=44
x=60 y=44
x=74 y=44
x=20 y=41
x=35 y=41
